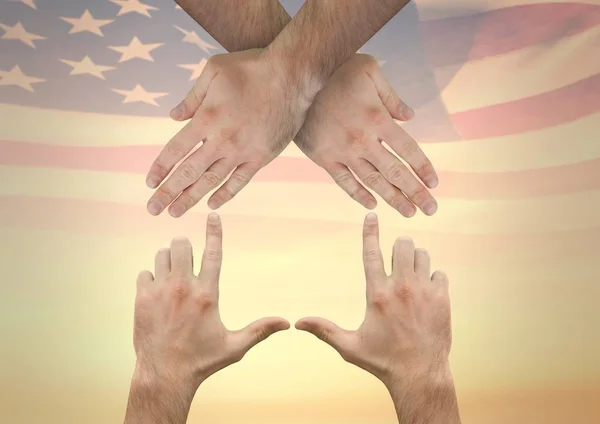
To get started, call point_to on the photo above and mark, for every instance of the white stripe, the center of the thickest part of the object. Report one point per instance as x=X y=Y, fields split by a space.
x=524 y=73
x=323 y=202
x=555 y=146
x=440 y=9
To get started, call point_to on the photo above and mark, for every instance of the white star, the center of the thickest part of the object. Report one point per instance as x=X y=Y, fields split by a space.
x=192 y=37
x=196 y=68
x=86 y=66
x=17 y=32
x=87 y=23
x=136 y=49
x=30 y=3
x=139 y=94
x=16 y=77
x=128 y=6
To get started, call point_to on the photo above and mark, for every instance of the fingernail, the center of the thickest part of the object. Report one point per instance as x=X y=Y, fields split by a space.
x=407 y=210
x=177 y=111
x=432 y=182
x=213 y=218
x=408 y=113
x=176 y=211
x=371 y=218
x=429 y=207
x=154 y=207
x=152 y=182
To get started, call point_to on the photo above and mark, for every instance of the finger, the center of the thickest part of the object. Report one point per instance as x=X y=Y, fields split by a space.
x=162 y=263
x=408 y=149
x=344 y=178
x=236 y=182
x=403 y=259
x=390 y=99
x=143 y=278
x=373 y=179
x=176 y=149
x=209 y=180
x=372 y=257
x=187 y=173
x=194 y=97
x=440 y=277
x=212 y=257
x=248 y=337
x=422 y=264
x=400 y=176
x=182 y=257
x=329 y=332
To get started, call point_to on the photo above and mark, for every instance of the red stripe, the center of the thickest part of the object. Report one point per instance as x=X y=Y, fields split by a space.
x=457 y=40
x=127 y=221
x=579 y=177
x=545 y=110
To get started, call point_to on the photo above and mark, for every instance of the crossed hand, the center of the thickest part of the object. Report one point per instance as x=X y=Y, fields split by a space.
x=179 y=337
x=243 y=111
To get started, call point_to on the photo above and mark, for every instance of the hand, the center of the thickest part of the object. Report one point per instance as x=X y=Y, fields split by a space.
x=178 y=333
x=343 y=132
x=406 y=334
x=245 y=113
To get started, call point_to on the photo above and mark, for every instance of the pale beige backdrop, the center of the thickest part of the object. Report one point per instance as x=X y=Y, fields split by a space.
x=517 y=232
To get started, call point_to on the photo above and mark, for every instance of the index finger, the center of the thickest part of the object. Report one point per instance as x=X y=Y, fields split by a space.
x=175 y=150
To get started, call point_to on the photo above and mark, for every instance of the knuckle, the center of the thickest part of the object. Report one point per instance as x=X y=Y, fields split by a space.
x=370 y=255
x=380 y=300
x=204 y=300
x=228 y=135
x=396 y=173
x=408 y=148
x=403 y=291
x=420 y=195
x=181 y=290
x=375 y=116
x=425 y=169
x=174 y=149
x=373 y=179
x=188 y=172
x=212 y=254
x=211 y=179
x=209 y=115
x=357 y=137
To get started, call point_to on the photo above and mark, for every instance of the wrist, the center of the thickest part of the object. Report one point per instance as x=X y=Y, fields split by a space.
x=162 y=380
x=298 y=78
x=430 y=376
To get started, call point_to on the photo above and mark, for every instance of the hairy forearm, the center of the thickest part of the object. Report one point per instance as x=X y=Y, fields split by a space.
x=238 y=25
x=153 y=400
x=326 y=33
x=427 y=400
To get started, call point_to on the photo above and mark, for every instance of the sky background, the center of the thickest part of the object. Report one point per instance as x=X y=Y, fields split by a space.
x=507 y=100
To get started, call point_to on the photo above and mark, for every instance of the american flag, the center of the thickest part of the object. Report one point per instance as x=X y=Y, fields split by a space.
x=507 y=99
x=506 y=93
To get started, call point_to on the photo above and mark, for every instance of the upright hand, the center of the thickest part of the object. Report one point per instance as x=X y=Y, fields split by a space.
x=245 y=113
x=406 y=335
x=179 y=338
x=344 y=130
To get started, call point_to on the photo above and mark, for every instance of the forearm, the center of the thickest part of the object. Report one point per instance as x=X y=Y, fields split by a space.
x=326 y=33
x=238 y=25
x=153 y=400
x=427 y=400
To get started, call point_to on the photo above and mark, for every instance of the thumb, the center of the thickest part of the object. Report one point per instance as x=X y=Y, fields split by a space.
x=194 y=98
x=390 y=99
x=329 y=332
x=254 y=333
